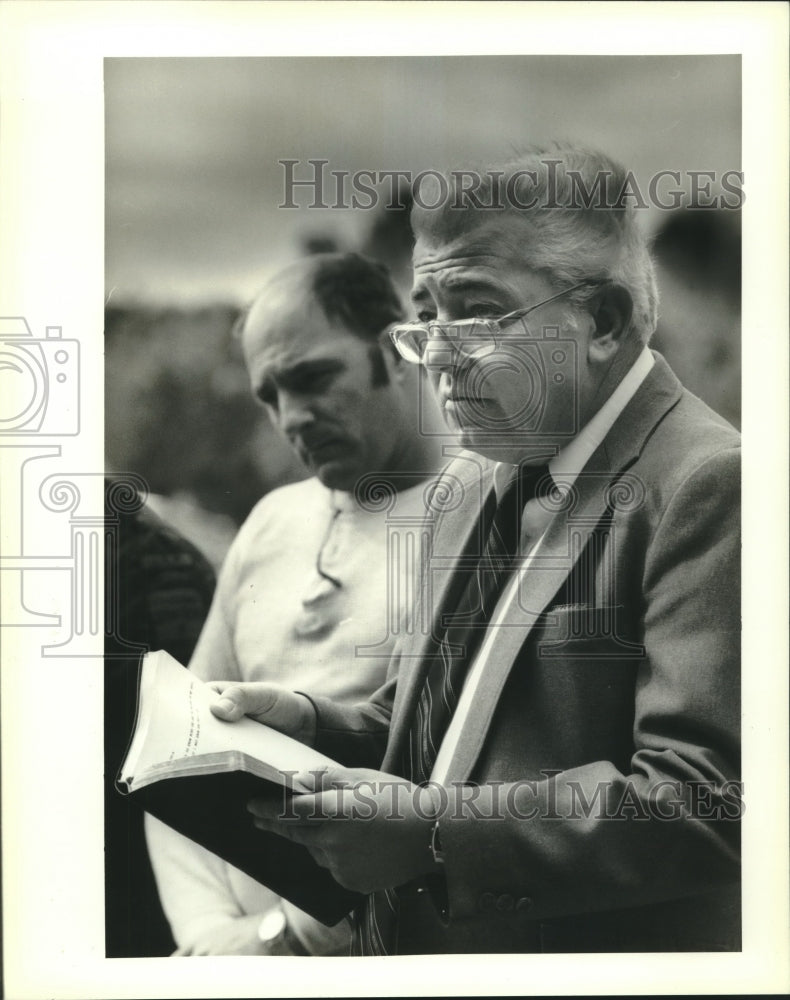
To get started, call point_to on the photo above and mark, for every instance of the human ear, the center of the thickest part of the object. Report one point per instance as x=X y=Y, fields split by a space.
x=611 y=311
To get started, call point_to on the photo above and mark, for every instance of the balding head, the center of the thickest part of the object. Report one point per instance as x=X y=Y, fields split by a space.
x=313 y=343
x=350 y=289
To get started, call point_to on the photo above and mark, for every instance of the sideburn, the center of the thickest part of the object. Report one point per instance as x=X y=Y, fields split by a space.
x=378 y=368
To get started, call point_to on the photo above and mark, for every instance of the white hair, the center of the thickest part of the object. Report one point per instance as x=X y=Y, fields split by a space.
x=581 y=227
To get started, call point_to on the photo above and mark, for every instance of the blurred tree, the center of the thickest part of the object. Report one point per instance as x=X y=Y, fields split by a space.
x=180 y=413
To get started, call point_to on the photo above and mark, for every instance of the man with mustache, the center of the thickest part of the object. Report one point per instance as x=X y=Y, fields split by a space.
x=553 y=763
x=302 y=598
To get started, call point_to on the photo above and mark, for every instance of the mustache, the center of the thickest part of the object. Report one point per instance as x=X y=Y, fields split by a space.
x=313 y=440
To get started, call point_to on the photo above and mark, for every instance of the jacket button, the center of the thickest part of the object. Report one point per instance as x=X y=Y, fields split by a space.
x=524 y=903
x=505 y=903
x=486 y=901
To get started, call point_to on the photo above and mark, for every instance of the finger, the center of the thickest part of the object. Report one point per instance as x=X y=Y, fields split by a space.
x=307 y=836
x=219 y=686
x=302 y=810
x=297 y=810
x=228 y=708
x=238 y=700
x=181 y=952
x=326 y=778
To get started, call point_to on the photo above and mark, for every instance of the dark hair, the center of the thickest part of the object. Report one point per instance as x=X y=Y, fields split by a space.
x=357 y=291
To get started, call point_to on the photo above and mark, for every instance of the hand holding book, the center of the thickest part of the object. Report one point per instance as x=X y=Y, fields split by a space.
x=389 y=842
x=194 y=770
x=270 y=704
x=205 y=756
x=371 y=830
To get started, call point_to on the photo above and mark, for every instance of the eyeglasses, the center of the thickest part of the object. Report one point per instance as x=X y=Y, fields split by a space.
x=471 y=338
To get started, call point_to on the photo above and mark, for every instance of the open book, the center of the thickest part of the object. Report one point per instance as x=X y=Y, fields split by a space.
x=196 y=773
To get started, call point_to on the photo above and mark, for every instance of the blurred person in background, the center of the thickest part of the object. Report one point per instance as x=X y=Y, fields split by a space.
x=159 y=589
x=307 y=580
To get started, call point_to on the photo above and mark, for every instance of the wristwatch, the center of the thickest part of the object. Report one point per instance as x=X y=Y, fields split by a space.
x=277 y=937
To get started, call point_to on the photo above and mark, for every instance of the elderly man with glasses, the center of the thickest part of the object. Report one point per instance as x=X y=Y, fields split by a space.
x=553 y=763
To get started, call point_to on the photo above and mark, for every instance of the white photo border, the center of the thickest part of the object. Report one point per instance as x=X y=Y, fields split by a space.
x=51 y=274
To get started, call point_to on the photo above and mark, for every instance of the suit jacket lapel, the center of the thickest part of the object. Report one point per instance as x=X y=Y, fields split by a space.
x=456 y=538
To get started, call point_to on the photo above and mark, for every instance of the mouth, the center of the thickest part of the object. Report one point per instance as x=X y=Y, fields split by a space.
x=452 y=401
x=323 y=449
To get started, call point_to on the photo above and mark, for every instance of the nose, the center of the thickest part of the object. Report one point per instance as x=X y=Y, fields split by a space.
x=294 y=412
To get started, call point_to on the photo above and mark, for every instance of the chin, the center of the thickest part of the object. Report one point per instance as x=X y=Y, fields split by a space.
x=512 y=448
x=338 y=476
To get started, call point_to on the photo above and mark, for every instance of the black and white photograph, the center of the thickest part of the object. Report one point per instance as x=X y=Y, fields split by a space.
x=382 y=577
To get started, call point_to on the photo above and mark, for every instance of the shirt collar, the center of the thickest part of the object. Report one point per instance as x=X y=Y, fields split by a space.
x=569 y=462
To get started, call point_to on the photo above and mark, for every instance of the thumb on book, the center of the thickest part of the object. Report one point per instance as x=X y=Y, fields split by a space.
x=258 y=699
x=263 y=701
x=231 y=705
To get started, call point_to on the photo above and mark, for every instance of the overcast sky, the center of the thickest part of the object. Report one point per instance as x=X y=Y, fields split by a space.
x=193 y=182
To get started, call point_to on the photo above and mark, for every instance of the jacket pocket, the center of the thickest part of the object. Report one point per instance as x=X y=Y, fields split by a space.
x=589 y=633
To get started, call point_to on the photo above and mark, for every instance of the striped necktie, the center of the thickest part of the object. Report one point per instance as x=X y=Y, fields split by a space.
x=465 y=627
x=375 y=921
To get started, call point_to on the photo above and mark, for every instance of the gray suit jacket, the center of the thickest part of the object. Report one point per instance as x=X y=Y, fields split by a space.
x=602 y=748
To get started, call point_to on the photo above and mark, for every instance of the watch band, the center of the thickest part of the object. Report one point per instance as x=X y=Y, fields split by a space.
x=436 y=845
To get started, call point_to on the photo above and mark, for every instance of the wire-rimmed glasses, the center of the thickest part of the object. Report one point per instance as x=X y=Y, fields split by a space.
x=471 y=338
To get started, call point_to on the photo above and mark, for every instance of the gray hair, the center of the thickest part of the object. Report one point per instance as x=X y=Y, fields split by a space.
x=574 y=203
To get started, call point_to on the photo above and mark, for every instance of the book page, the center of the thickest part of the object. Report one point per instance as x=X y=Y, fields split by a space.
x=175 y=726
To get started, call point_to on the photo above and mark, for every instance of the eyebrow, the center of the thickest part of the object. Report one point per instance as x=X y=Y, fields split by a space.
x=302 y=369
x=457 y=284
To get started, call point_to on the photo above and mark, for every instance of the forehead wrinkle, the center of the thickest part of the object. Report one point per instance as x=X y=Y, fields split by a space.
x=491 y=240
x=460 y=257
x=483 y=255
x=280 y=362
x=457 y=284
